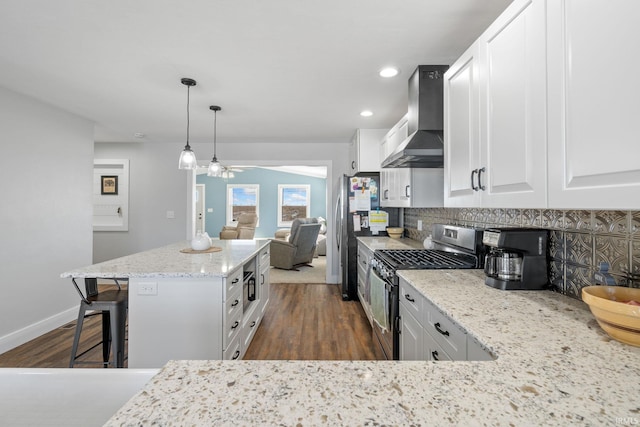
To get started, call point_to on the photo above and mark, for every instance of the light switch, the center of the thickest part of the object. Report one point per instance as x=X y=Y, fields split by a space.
x=209 y=210
x=171 y=214
x=419 y=225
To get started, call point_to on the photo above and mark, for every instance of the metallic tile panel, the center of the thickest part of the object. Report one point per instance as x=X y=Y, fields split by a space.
x=610 y=222
x=556 y=245
x=579 y=239
x=579 y=248
x=613 y=250
x=577 y=277
x=552 y=220
x=577 y=221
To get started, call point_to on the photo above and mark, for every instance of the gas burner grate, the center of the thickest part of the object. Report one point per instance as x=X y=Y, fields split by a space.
x=426 y=259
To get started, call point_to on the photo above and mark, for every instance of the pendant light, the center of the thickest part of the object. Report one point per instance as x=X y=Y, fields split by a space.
x=215 y=168
x=187 y=157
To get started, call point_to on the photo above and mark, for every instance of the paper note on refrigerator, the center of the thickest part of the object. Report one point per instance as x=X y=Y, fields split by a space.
x=378 y=221
x=356 y=222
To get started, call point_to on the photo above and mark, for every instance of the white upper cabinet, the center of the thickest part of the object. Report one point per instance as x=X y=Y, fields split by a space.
x=364 y=151
x=495 y=114
x=461 y=130
x=594 y=152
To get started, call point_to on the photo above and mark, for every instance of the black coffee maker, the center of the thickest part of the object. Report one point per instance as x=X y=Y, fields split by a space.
x=517 y=259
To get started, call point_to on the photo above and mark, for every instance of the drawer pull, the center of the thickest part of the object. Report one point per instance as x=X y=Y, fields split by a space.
x=236 y=280
x=443 y=332
x=408 y=297
x=236 y=302
x=434 y=354
x=252 y=324
x=235 y=324
x=236 y=355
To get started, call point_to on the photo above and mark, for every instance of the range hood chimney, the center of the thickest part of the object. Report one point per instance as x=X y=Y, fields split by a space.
x=424 y=147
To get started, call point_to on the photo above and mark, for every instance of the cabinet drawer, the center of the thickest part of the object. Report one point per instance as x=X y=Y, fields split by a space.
x=234 y=351
x=233 y=282
x=231 y=327
x=249 y=326
x=447 y=334
x=432 y=349
x=233 y=304
x=413 y=301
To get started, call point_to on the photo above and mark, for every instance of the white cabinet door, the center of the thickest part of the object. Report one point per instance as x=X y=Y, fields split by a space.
x=495 y=114
x=461 y=130
x=364 y=151
x=593 y=104
x=513 y=114
x=411 y=337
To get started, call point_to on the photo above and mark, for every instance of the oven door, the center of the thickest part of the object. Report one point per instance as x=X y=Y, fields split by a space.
x=384 y=299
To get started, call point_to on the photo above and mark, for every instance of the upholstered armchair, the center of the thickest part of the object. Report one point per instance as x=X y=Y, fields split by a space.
x=300 y=247
x=245 y=228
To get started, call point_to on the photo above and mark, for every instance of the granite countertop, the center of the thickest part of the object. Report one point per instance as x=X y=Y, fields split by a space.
x=554 y=366
x=380 y=242
x=168 y=261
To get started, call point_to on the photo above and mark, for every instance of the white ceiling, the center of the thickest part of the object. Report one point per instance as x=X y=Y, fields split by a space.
x=280 y=69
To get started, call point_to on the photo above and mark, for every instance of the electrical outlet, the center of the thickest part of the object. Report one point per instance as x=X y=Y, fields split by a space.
x=419 y=225
x=148 y=288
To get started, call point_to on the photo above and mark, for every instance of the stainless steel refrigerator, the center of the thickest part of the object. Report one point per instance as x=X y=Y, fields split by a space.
x=357 y=207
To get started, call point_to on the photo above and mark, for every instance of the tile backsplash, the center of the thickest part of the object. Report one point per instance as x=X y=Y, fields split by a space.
x=579 y=240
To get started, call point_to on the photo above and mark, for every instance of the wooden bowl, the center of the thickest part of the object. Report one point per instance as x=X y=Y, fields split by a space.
x=395 y=232
x=611 y=308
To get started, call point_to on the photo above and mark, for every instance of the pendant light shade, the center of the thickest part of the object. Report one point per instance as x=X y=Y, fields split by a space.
x=187 y=157
x=215 y=168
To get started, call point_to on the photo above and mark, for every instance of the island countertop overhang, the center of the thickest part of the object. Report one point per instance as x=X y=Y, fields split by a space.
x=168 y=262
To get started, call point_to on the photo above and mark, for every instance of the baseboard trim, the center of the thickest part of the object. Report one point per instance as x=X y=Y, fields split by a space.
x=26 y=334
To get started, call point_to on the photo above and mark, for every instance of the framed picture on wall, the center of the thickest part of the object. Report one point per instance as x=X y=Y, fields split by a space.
x=109 y=184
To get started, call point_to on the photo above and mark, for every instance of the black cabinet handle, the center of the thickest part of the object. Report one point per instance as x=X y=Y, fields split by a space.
x=386 y=195
x=236 y=355
x=236 y=302
x=473 y=185
x=443 y=332
x=398 y=322
x=261 y=279
x=482 y=187
x=408 y=297
x=252 y=324
x=353 y=164
x=236 y=280
x=407 y=193
x=235 y=325
x=434 y=354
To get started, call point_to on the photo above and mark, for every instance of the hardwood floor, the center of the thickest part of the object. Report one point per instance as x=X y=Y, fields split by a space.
x=312 y=322
x=302 y=322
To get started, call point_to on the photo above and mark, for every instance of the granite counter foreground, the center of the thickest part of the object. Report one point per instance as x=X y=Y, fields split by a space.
x=554 y=366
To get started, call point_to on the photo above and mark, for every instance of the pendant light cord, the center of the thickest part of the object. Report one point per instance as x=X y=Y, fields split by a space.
x=215 y=129
x=188 y=90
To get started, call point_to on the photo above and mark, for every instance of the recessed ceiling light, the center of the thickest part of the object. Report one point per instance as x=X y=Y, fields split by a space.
x=139 y=135
x=366 y=113
x=388 y=72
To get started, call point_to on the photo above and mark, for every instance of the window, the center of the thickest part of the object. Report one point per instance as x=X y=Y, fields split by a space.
x=242 y=198
x=294 y=201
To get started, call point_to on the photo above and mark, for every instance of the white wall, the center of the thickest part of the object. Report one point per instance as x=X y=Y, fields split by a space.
x=157 y=186
x=46 y=170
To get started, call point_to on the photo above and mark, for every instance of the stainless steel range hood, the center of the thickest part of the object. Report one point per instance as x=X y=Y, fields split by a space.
x=424 y=147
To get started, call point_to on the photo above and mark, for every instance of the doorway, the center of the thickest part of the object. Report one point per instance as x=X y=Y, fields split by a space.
x=331 y=254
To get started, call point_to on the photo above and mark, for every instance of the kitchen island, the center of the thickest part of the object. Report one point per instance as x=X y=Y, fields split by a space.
x=554 y=366
x=190 y=305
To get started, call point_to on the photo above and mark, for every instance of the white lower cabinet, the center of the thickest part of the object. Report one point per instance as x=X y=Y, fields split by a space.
x=364 y=257
x=428 y=334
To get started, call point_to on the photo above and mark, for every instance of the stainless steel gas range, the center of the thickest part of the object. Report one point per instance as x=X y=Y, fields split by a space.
x=454 y=247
